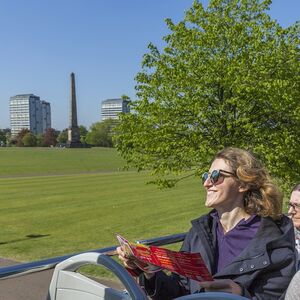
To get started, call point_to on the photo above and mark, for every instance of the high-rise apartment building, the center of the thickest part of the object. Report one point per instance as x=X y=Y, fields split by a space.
x=46 y=115
x=110 y=108
x=29 y=112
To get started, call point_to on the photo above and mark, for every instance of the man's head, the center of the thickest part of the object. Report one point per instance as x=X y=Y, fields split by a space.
x=294 y=205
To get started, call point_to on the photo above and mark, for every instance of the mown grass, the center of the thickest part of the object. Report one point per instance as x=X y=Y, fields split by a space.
x=18 y=161
x=47 y=216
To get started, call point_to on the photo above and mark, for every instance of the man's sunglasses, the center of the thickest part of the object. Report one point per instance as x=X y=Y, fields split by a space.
x=295 y=206
x=215 y=176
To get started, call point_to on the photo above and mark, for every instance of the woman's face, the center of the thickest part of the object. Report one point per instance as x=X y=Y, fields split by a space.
x=226 y=194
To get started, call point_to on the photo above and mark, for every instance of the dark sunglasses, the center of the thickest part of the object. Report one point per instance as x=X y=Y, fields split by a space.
x=295 y=206
x=215 y=176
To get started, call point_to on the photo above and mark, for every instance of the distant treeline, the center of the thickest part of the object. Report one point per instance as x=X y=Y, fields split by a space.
x=100 y=134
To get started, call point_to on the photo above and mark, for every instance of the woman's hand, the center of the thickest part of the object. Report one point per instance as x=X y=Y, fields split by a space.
x=222 y=285
x=128 y=261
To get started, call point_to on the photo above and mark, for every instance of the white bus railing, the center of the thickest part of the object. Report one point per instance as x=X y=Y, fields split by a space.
x=50 y=263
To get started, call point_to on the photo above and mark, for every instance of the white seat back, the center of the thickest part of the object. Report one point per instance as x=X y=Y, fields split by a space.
x=66 y=284
x=75 y=286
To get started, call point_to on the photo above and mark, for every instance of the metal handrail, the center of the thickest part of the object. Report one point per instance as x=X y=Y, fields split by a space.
x=50 y=263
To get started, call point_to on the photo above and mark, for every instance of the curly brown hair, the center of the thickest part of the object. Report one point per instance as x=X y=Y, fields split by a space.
x=262 y=196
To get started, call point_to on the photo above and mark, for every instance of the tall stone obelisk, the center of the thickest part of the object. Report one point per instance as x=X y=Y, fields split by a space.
x=73 y=130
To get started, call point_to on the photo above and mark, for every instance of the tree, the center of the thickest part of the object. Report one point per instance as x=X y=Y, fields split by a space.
x=50 y=137
x=100 y=133
x=5 y=137
x=7 y=132
x=83 y=132
x=63 y=136
x=228 y=76
x=20 y=136
x=29 y=140
x=2 y=138
x=40 y=140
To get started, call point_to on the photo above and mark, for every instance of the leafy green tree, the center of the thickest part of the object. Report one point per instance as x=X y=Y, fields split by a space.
x=228 y=76
x=29 y=140
x=63 y=136
x=20 y=136
x=100 y=133
x=125 y=97
x=83 y=132
x=2 y=138
x=7 y=132
x=39 y=140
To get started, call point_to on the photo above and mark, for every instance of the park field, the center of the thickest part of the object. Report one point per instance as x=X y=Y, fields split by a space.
x=21 y=161
x=63 y=201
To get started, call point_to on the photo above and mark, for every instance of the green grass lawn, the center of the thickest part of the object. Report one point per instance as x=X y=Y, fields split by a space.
x=20 y=161
x=73 y=210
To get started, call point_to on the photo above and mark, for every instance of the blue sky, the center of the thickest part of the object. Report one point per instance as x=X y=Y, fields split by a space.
x=101 y=41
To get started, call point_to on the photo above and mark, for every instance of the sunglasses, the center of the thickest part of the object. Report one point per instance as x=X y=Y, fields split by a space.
x=216 y=176
x=295 y=206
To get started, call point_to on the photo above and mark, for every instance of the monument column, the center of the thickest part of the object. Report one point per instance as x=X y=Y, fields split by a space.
x=73 y=130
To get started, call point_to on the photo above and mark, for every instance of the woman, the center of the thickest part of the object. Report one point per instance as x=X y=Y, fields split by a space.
x=246 y=242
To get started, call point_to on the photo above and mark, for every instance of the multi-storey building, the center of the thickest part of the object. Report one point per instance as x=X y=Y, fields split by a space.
x=46 y=115
x=27 y=111
x=110 y=108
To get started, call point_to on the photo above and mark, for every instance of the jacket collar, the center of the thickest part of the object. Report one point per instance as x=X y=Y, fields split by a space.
x=205 y=228
x=271 y=234
x=274 y=233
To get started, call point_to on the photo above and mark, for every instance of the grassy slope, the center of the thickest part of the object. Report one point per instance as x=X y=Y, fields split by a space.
x=34 y=161
x=84 y=211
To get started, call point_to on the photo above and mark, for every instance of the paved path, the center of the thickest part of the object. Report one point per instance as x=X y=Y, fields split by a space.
x=32 y=286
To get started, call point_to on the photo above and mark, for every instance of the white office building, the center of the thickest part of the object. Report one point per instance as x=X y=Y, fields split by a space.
x=111 y=108
x=29 y=112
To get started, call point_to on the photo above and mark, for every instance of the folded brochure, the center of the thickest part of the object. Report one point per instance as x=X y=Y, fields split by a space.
x=152 y=259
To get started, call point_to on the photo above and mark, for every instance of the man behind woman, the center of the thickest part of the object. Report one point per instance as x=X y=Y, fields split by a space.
x=247 y=243
x=293 y=292
x=294 y=213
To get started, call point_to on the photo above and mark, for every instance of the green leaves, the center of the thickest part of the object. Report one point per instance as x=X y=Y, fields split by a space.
x=101 y=133
x=228 y=76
